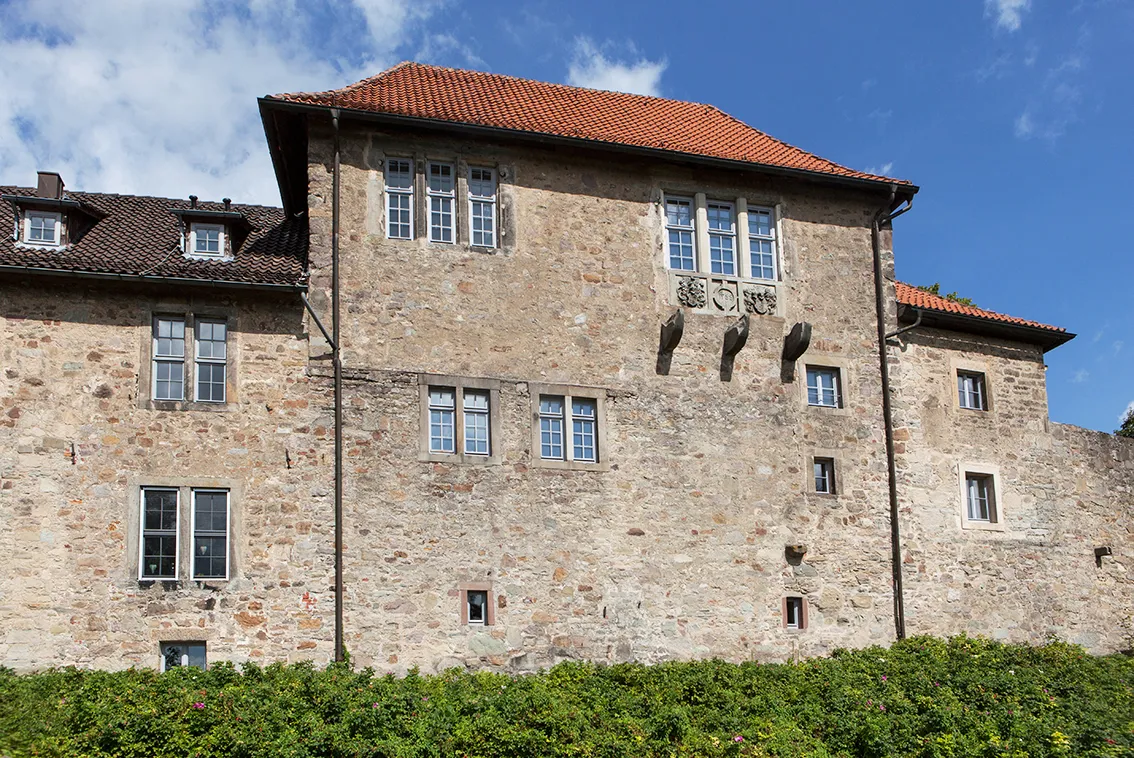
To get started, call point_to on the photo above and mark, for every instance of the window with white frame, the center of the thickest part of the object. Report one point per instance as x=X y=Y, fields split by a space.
x=174 y=654
x=42 y=228
x=399 y=198
x=824 y=469
x=158 y=546
x=212 y=360
x=442 y=194
x=482 y=207
x=168 y=358
x=980 y=498
x=761 y=243
x=971 y=391
x=210 y=534
x=795 y=613
x=206 y=240
x=560 y=413
x=679 y=226
x=824 y=388
x=459 y=418
x=722 y=238
x=476 y=607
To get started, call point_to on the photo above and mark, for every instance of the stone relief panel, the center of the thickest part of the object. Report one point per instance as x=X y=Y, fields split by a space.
x=726 y=296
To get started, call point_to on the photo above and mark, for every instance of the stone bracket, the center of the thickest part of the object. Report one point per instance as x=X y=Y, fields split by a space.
x=671 y=331
x=795 y=345
x=734 y=339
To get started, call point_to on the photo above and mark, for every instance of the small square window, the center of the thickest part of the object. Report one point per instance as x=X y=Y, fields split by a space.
x=795 y=613
x=971 y=391
x=824 y=469
x=476 y=607
x=42 y=228
x=824 y=387
x=207 y=240
x=174 y=654
x=980 y=498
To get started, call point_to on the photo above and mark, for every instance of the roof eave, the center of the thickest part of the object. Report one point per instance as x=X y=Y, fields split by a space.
x=879 y=185
x=180 y=281
x=1047 y=339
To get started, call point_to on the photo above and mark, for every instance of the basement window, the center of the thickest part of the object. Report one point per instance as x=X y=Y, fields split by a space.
x=175 y=654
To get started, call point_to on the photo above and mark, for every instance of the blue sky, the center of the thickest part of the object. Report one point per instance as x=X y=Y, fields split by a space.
x=1015 y=117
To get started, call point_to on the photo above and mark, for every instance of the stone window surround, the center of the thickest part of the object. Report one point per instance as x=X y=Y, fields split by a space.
x=838 y=472
x=460 y=383
x=971 y=366
x=569 y=391
x=146 y=363
x=420 y=158
x=740 y=205
x=805 y=621
x=813 y=359
x=965 y=468
x=185 y=486
x=463 y=590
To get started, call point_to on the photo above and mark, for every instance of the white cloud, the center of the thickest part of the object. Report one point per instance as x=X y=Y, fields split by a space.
x=1008 y=13
x=160 y=98
x=1024 y=125
x=883 y=170
x=590 y=67
x=1081 y=376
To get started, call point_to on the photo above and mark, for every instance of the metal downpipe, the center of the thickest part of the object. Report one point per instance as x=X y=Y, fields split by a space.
x=336 y=358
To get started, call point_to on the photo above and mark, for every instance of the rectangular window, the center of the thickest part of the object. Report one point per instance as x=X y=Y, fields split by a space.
x=980 y=498
x=210 y=534
x=970 y=390
x=551 y=409
x=174 y=654
x=476 y=607
x=584 y=416
x=169 y=358
x=399 y=199
x=42 y=228
x=442 y=194
x=795 y=616
x=824 y=475
x=207 y=239
x=762 y=243
x=212 y=360
x=476 y=421
x=482 y=207
x=679 y=227
x=722 y=239
x=159 y=542
x=442 y=420
x=823 y=387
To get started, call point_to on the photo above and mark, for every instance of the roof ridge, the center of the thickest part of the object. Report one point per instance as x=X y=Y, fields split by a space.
x=70 y=191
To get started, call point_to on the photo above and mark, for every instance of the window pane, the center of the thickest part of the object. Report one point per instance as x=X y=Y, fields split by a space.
x=482 y=182
x=210 y=557
x=551 y=404
x=551 y=438
x=476 y=422
x=477 y=600
x=823 y=387
x=441 y=219
x=759 y=223
x=159 y=556
x=169 y=380
x=440 y=177
x=679 y=213
x=160 y=510
x=210 y=511
x=442 y=397
x=399 y=175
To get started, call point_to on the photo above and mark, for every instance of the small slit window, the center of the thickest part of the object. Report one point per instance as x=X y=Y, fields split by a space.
x=795 y=613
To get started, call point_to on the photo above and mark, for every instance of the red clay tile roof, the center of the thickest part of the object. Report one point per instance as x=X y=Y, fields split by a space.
x=139 y=235
x=917 y=298
x=505 y=102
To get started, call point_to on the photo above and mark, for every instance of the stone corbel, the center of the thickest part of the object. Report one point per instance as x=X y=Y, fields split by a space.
x=795 y=345
x=671 y=330
x=734 y=340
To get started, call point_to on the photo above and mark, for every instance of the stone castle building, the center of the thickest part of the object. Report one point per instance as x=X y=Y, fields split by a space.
x=611 y=389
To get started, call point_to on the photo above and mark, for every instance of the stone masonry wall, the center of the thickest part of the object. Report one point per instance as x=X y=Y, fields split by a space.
x=1063 y=492
x=678 y=549
x=76 y=444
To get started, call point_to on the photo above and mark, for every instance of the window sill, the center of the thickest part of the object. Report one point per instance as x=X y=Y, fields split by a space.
x=570 y=465
x=828 y=409
x=187 y=405
x=462 y=458
x=983 y=526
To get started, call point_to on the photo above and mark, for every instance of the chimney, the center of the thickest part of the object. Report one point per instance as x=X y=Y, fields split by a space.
x=50 y=185
x=228 y=204
x=193 y=201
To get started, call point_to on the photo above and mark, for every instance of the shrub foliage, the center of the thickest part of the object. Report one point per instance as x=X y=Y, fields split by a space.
x=921 y=697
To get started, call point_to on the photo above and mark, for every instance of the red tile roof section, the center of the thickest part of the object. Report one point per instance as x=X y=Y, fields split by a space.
x=918 y=298
x=139 y=235
x=505 y=102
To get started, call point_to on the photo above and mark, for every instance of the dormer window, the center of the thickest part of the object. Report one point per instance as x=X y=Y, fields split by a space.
x=207 y=239
x=42 y=227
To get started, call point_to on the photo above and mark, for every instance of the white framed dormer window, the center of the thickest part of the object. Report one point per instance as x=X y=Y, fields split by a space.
x=482 y=207
x=211 y=360
x=210 y=535
x=159 y=551
x=680 y=231
x=399 y=198
x=761 y=243
x=442 y=194
x=206 y=240
x=722 y=238
x=42 y=228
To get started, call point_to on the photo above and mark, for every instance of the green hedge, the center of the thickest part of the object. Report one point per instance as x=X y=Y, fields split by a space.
x=922 y=697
